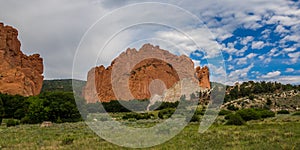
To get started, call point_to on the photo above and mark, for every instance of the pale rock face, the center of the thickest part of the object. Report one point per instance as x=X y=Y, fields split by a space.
x=19 y=74
x=141 y=75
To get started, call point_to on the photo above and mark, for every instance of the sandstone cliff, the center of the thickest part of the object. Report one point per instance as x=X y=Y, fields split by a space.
x=141 y=74
x=19 y=74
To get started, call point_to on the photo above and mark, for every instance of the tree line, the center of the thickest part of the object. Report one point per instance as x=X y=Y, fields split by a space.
x=49 y=106
x=249 y=88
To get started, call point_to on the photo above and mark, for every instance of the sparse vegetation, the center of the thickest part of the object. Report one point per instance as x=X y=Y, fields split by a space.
x=296 y=114
x=166 y=113
x=283 y=112
x=235 y=119
x=67 y=141
x=137 y=116
x=224 y=112
x=12 y=122
x=273 y=133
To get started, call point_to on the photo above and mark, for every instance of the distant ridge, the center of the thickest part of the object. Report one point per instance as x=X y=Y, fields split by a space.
x=63 y=85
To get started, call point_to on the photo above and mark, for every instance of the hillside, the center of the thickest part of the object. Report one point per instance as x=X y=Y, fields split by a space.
x=269 y=95
x=62 y=85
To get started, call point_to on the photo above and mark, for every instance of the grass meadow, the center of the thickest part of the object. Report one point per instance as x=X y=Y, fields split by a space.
x=279 y=132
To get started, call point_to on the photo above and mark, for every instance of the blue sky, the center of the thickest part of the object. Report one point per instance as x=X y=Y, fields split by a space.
x=257 y=39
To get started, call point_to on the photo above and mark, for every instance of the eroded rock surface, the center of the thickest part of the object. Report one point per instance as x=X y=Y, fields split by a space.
x=141 y=74
x=19 y=74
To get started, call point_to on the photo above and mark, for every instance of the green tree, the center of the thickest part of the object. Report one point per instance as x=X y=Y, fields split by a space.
x=1 y=110
x=36 y=112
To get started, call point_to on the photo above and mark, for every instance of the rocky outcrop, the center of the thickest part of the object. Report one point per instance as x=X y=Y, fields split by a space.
x=202 y=74
x=19 y=74
x=141 y=74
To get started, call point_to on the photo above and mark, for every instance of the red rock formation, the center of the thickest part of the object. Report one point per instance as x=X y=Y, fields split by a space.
x=19 y=74
x=138 y=75
x=202 y=75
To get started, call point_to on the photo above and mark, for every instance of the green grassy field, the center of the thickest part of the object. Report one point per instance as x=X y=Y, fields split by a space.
x=280 y=132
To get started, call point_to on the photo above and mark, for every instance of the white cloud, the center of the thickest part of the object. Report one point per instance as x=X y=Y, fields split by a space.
x=239 y=74
x=200 y=36
x=230 y=67
x=258 y=44
x=289 y=70
x=289 y=49
x=245 y=60
x=196 y=62
x=271 y=75
x=280 y=29
x=262 y=57
x=294 y=57
x=285 y=79
x=246 y=40
x=54 y=28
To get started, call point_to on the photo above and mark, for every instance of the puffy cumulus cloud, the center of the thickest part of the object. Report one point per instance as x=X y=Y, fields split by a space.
x=284 y=79
x=239 y=75
x=199 y=38
x=246 y=40
x=281 y=29
x=257 y=45
x=245 y=60
x=271 y=75
x=55 y=28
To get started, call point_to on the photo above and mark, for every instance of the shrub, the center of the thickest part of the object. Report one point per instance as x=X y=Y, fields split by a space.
x=12 y=122
x=235 y=119
x=224 y=112
x=1 y=110
x=67 y=141
x=232 y=107
x=166 y=113
x=25 y=120
x=195 y=118
x=283 y=112
x=266 y=113
x=249 y=114
x=251 y=97
x=137 y=116
x=296 y=114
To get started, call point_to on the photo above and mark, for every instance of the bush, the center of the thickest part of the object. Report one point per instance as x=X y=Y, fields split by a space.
x=296 y=114
x=235 y=119
x=232 y=108
x=249 y=114
x=67 y=141
x=251 y=97
x=195 y=118
x=266 y=113
x=25 y=120
x=283 y=112
x=166 y=113
x=1 y=110
x=137 y=116
x=12 y=122
x=224 y=112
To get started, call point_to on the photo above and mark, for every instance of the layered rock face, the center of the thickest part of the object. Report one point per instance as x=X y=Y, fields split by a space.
x=19 y=74
x=140 y=75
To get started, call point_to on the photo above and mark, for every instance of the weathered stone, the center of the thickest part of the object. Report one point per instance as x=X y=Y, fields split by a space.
x=19 y=74
x=141 y=74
